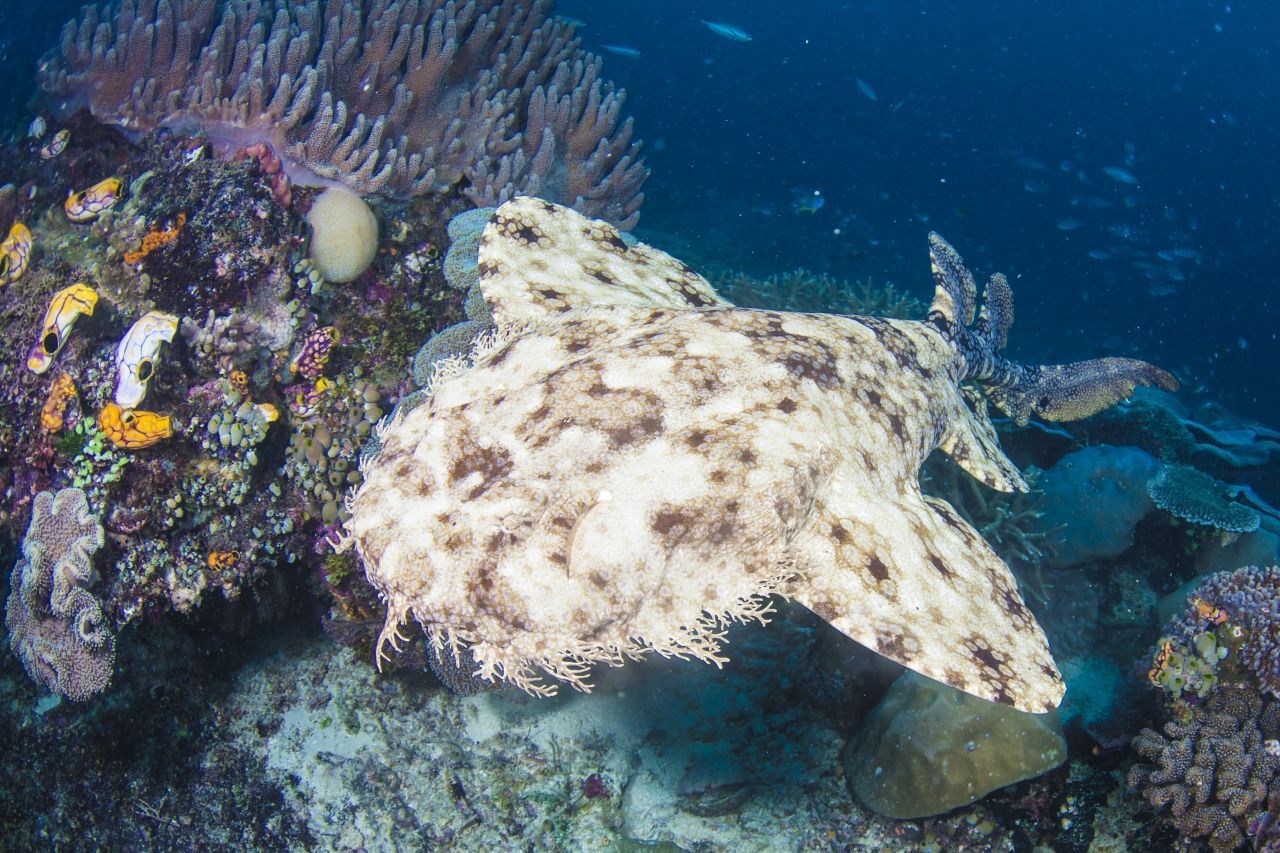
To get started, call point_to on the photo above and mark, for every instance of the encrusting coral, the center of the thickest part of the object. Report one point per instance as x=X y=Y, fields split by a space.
x=1215 y=771
x=394 y=97
x=56 y=625
x=629 y=462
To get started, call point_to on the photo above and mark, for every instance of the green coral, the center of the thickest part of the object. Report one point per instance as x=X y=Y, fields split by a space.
x=1192 y=670
x=97 y=463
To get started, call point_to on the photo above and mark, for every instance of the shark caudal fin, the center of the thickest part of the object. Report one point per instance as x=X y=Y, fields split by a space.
x=1056 y=392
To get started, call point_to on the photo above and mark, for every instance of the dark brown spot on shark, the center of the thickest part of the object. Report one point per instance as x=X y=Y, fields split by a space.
x=825 y=610
x=491 y=463
x=787 y=406
x=640 y=429
x=940 y=567
x=670 y=522
x=878 y=569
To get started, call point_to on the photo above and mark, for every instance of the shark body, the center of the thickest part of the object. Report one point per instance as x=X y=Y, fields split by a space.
x=630 y=462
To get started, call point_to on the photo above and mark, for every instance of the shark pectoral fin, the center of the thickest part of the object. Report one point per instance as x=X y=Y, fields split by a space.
x=971 y=441
x=537 y=259
x=909 y=579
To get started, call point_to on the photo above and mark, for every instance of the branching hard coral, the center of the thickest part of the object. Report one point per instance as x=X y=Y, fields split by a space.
x=802 y=290
x=1010 y=521
x=1214 y=771
x=1201 y=499
x=56 y=626
x=397 y=97
x=1244 y=605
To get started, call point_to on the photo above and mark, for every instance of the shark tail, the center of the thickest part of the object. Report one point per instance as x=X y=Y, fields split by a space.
x=1056 y=392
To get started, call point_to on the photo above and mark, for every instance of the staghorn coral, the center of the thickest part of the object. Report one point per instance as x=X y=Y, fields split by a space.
x=1195 y=496
x=1213 y=771
x=802 y=290
x=396 y=97
x=56 y=626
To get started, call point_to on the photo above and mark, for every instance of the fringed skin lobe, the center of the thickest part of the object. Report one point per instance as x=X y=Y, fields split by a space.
x=1058 y=392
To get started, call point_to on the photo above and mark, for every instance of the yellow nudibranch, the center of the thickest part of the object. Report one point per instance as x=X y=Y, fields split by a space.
x=15 y=252
x=64 y=309
x=133 y=429
x=85 y=205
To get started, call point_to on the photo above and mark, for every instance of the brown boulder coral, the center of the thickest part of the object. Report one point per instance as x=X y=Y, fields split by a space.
x=630 y=461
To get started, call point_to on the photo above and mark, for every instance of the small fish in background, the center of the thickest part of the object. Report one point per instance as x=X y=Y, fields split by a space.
x=1034 y=186
x=1162 y=288
x=570 y=20
x=1121 y=175
x=1031 y=163
x=621 y=50
x=1100 y=255
x=1070 y=225
x=805 y=201
x=865 y=88
x=727 y=31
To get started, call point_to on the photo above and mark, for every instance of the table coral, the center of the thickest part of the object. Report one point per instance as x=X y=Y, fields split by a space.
x=1201 y=499
x=56 y=625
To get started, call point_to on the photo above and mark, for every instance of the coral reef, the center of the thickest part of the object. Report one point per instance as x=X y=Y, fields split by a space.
x=1243 y=608
x=1196 y=497
x=1216 y=770
x=384 y=96
x=803 y=290
x=56 y=625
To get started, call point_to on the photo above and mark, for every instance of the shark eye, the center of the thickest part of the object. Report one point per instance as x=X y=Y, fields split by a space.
x=50 y=343
x=144 y=370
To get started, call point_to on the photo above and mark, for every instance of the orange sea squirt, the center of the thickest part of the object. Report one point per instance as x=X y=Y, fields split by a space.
x=133 y=429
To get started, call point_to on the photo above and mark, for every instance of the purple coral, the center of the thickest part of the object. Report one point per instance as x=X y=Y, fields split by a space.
x=56 y=626
x=1214 y=771
x=399 y=97
x=1249 y=601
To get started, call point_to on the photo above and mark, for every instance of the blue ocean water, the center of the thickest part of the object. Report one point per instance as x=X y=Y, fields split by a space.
x=992 y=123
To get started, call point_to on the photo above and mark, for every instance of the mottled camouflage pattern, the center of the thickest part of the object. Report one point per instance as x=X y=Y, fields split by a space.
x=630 y=462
